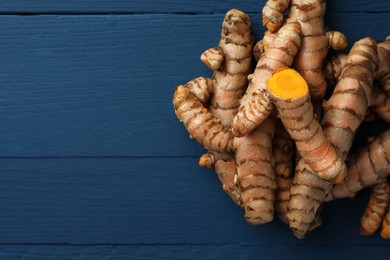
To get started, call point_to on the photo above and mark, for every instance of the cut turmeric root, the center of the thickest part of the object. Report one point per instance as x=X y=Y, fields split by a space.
x=344 y=112
x=255 y=105
x=252 y=159
x=290 y=94
x=315 y=41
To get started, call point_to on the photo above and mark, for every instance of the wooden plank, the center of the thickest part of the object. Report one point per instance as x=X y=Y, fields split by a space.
x=163 y=6
x=98 y=82
x=180 y=252
x=100 y=85
x=143 y=201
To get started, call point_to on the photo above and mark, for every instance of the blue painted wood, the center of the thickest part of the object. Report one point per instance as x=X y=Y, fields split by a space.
x=163 y=6
x=144 y=201
x=179 y=252
x=99 y=85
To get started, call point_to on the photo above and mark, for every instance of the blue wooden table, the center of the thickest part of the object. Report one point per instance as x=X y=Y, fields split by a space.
x=94 y=164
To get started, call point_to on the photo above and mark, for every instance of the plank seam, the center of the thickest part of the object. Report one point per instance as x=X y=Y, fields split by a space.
x=5 y=13
x=115 y=13
x=189 y=244
x=97 y=157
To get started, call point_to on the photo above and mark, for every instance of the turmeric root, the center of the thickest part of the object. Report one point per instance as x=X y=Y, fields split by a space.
x=337 y=40
x=255 y=105
x=273 y=14
x=383 y=69
x=200 y=123
x=239 y=131
x=254 y=157
x=200 y=88
x=332 y=69
x=346 y=108
x=290 y=94
x=385 y=233
x=231 y=62
x=283 y=150
x=268 y=38
x=209 y=104
x=343 y=114
x=226 y=169
x=231 y=72
x=315 y=41
x=258 y=50
x=380 y=104
x=376 y=209
x=366 y=167
x=255 y=172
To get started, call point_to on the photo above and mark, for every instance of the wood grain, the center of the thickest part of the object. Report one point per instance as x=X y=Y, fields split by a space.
x=179 y=252
x=163 y=6
x=99 y=85
x=143 y=201
x=93 y=162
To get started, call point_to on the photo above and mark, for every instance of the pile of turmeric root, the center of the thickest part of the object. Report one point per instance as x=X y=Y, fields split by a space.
x=278 y=136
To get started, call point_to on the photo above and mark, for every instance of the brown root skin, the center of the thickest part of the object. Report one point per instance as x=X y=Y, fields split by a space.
x=385 y=232
x=255 y=105
x=227 y=174
x=200 y=123
x=225 y=166
x=346 y=108
x=232 y=64
x=370 y=116
x=307 y=64
x=207 y=106
x=380 y=104
x=334 y=65
x=230 y=80
x=337 y=40
x=343 y=114
x=213 y=58
x=201 y=87
x=315 y=42
x=231 y=61
x=368 y=166
x=376 y=209
x=290 y=95
x=332 y=69
x=383 y=68
x=207 y=160
x=255 y=172
x=268 y=38
x=258 y=50
x=283 y=151
x=380 y=101
x=306 y=193
x=272 y=14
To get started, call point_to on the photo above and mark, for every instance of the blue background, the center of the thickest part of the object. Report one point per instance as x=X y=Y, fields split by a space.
x=94 y=163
